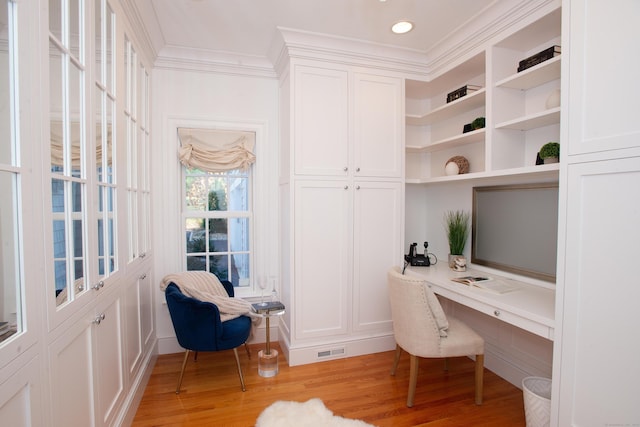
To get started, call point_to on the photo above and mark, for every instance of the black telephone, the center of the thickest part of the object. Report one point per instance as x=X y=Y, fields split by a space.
x=418 y=260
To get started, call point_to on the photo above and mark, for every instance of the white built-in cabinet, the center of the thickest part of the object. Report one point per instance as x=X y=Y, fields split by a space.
x=95 y=360
x=346 y=203
x=596 y=373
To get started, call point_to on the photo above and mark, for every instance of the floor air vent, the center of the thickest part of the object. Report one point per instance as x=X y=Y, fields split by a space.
x=329 y=353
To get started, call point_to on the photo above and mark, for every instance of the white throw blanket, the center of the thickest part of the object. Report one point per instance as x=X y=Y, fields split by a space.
x=205 y=286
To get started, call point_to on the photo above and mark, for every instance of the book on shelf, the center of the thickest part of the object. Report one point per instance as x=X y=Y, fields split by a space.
x=485 y=283
x=539 y=57
x=463 y=91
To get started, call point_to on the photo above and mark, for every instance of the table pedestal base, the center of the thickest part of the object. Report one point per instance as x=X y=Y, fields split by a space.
x=268 y=363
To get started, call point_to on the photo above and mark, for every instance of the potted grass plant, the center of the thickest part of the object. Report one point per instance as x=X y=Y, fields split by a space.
x=456 y=225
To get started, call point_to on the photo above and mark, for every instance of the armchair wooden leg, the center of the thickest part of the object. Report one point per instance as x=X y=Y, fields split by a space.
x=413 y=379
x=479 y=378
x=246 y=347
x=396 y=360
x=235 y=351
x=184 y=364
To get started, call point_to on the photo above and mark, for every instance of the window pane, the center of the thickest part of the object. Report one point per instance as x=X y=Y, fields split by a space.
x=196 y=193
x=99 y=139
x=217 y=197
x=218 y=237
x=238 y=194
x=55 y=18
x=196 y=233
x=108 y=81
x=75 y=38
x=98 y=33
x=109 y=147
x=239 y=234
x=75 y=127
x=55 y=107
x=6 y=144
x=10 y=311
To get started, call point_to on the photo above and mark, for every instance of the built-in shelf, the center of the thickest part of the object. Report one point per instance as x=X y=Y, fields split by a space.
x=532 y=121
x=549 y=171
x=454 y=141
x=535 y=76
x=453 y=108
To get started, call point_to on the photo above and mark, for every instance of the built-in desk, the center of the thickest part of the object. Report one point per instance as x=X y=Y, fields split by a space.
x=528 y=307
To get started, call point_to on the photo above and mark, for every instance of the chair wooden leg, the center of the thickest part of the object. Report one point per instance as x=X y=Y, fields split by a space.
x=195 y=356
x=446 y=364
x=246 y=347
x=235 y=351
x=184 y=364
x=479 y=378
x=396 y=360
x=413 y=379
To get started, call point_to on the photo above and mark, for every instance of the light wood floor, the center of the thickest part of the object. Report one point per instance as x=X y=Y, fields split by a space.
x=357 y=387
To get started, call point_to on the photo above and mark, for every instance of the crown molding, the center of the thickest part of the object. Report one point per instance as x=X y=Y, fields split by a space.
x=291 y=43
x=150 y=39
x=202 y=60
x=472 y=37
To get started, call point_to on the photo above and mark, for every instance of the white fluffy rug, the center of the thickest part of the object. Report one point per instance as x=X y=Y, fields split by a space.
x=311 y=413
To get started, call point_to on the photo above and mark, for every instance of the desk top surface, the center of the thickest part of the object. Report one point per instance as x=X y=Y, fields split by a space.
x=530 y=302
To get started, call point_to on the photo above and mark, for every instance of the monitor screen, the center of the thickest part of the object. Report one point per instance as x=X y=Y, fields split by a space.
x=515 y=229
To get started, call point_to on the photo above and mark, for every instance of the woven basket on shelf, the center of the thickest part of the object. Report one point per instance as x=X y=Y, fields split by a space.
x=462 y=162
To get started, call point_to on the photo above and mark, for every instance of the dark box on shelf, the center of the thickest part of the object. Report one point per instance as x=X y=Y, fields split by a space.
x=539 y=57
x=460 y=92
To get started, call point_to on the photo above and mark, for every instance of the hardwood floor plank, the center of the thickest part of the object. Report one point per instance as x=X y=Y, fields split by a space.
x=357 y=387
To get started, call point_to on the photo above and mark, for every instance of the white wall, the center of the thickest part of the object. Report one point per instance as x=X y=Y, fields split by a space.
x=199 y=99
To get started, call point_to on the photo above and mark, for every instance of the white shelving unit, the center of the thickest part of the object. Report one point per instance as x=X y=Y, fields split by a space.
x=518 y=121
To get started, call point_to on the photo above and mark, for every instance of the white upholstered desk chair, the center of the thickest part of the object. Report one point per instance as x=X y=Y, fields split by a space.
x=422 y=329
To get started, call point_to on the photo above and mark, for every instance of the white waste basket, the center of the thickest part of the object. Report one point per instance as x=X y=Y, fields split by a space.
x=537 y=401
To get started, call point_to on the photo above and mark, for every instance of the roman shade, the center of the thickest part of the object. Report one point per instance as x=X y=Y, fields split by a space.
x=213 y=150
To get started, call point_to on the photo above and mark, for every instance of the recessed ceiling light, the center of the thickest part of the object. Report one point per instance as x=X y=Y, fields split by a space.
x=402 y=27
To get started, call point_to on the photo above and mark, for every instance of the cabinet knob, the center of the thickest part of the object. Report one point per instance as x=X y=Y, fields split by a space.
x=345 y=168
x=357 y=187
x=144 y=276
x=497 y=313
x=357 y=169
x=98 y=285
x=346 y=187
x=99 y=318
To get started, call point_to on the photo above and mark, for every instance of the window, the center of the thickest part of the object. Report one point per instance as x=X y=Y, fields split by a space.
x=217 y=223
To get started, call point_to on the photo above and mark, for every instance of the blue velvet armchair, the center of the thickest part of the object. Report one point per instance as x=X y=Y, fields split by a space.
x=198 y=327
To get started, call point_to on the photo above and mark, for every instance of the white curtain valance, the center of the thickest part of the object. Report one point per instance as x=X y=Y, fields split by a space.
x=213 y=150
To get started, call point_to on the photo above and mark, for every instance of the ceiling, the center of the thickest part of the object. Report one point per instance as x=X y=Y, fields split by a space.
x=248 y=27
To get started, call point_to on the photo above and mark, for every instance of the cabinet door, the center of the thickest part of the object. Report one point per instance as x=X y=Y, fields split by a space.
x=378 y=126
x=321 y=116
x=109 y=371
x=604 y=103
x=71 y=366
x=600 y=296
x=378 y=225
x=322 y=250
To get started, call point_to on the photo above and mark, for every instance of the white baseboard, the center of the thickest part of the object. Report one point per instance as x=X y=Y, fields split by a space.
x=313 y=353
x=139 y=384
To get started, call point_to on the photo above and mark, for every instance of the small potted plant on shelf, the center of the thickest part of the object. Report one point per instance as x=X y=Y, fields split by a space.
x=478 y=123
x=456 y=225
x=550 y=152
